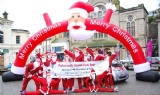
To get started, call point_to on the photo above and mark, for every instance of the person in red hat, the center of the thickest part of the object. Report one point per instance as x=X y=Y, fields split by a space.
x=95 y=55
x=46 y=87
x=93 y=85
x=31 y=70
x=77 y=56
x=53 y=61
x=78 y=13
x=67 y=82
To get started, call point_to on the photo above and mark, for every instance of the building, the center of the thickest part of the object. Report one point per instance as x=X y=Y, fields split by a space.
x=134 y=20
x=11 y=40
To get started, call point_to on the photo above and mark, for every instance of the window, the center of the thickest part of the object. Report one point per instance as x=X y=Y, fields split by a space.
x=131 y=25
x=17 y=39
x=1 y=37
x=98 y=35
x=57 y=49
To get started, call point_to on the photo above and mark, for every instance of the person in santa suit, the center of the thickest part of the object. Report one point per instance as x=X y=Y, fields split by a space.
x=77 y=56
x=54 y=59
x=95 y=55
x=30 y=71
x=86 y=59
x=38 y=54
x=93 y=85
x=46 y=85
x=111 y=56
x=67 y=82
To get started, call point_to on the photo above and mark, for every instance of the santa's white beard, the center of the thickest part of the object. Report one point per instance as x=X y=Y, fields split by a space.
x=44 y=59
x=36 y=64
x=67 y=59
x=49 y=79
x=85 y=58
x=93 y=76
x=76 y=54
x=81 y=33
x=54 y=59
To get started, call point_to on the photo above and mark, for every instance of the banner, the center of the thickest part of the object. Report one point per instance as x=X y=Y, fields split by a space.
x=77 y=69
x=149 y=51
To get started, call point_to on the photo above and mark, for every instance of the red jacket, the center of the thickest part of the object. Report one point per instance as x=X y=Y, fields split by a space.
x=80 y=58
x=95 y=58
x=30 y=70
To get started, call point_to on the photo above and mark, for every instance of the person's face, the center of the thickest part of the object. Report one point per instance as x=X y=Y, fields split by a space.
x=95 y=52
x=76 y=18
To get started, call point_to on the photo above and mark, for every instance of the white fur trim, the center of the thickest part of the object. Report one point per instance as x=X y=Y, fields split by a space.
x=82 y=12
x=141 y=67
x=18 y=70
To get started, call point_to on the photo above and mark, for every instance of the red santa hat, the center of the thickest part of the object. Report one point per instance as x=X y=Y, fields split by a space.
x=76 y=49
x=47 y=52
x=95 y=50
x=54 y=53
x=83 y=8
x=93 y=71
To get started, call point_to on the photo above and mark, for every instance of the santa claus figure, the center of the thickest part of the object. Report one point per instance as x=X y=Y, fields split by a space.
x=31 y=71
x=77 y=56
x=93 y=85
x=53 y=61
x=46 y=87
x=78 y=12
x=86 y=57
x=95 y=55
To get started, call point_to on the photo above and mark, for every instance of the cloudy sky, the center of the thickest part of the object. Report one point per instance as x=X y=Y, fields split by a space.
x=28 y=14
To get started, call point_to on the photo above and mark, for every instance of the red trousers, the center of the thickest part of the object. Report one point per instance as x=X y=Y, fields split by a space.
x=101 y=77
x=56 y=85
x=67 y=83
x=38 y=92
x=26 y=80
x=80 y=83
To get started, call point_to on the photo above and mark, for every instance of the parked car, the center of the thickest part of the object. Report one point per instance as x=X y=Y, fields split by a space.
x=127 y=62
x=119 y=72
x=155 y=60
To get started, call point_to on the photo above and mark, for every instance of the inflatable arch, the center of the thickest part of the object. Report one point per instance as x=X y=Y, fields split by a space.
x=141 y=66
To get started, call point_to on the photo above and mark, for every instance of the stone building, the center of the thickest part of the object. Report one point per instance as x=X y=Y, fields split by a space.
x=11 y=40
x=134 y=20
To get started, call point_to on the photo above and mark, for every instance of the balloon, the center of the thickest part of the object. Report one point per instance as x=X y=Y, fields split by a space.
x=33 y=41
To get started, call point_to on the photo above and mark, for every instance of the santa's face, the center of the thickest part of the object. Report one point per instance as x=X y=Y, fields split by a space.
x=54 y=57
x=76 y=52
x=77 y=28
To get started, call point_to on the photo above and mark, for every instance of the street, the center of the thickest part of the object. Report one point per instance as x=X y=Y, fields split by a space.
x=130 y=87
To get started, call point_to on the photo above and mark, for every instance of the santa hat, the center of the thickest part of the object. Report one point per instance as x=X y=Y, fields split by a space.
x=83 y=8
x=95 y=50
x=93 y=71
x=54 y=53
x=76 y=49
x=47 y=53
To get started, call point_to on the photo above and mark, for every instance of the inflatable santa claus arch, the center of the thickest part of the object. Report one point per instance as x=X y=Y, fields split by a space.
x=80 y=28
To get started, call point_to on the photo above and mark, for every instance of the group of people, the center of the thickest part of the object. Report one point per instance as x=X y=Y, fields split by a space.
x=41 y=69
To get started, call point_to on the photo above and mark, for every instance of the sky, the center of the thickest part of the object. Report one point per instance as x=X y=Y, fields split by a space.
x=28 y=14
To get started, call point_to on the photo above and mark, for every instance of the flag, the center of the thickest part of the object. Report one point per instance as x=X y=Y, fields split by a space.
x=149 y=51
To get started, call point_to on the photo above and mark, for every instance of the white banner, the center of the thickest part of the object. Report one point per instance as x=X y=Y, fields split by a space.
x=77 y=69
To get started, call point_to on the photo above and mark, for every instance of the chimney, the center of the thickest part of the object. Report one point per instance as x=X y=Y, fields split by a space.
x=5 y=14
